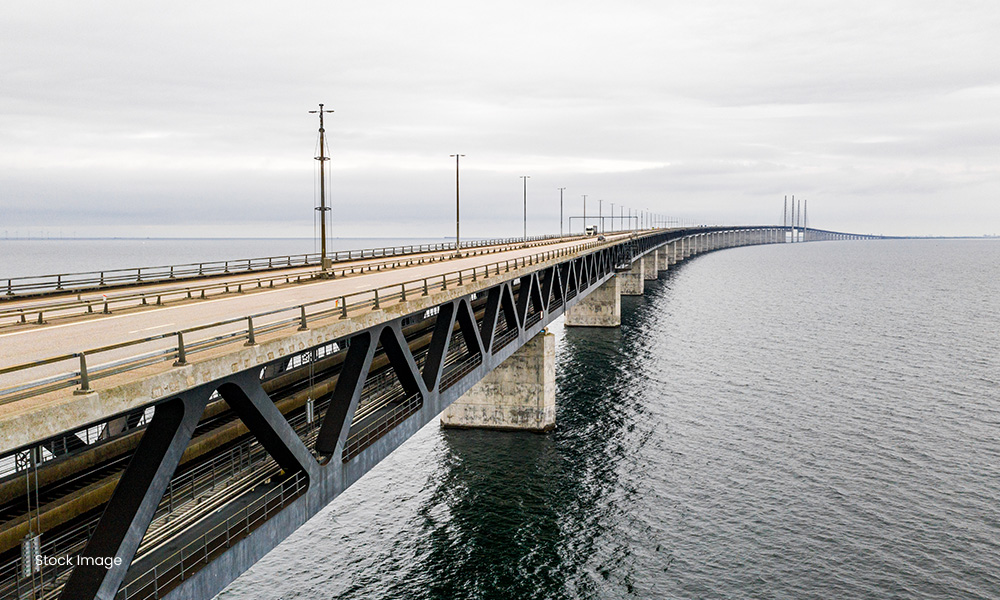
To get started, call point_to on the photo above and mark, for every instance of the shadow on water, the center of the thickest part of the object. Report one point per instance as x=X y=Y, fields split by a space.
x=521 y=515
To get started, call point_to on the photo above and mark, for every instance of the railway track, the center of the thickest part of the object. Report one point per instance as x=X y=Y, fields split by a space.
x=382 y=393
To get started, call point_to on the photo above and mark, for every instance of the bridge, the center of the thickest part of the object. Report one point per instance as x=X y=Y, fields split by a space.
x=163 y=428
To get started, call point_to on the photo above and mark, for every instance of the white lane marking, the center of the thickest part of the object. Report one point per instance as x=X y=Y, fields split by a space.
x=152 y=328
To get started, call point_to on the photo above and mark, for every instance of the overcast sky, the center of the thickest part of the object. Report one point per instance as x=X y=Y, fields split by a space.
x=190 y=118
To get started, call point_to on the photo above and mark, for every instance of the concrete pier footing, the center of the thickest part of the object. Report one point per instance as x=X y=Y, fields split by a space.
x=519 y=395
x=600 y=308
x=632 y=283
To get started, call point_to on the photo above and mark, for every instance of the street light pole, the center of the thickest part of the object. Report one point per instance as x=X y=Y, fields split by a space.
x=584 y=213
x=561 y=211
x=323 y=208
x=458 y=242
x=600 y=216
x=525 y=178
x=612 y=216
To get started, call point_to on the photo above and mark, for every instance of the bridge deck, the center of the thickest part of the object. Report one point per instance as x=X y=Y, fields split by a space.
x=28 y=343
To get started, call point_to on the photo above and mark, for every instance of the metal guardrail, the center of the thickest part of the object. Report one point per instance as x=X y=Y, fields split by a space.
x=172 y=570
x=375 y=428
x=157 y=297
x=21 y=286
x=224 y=471
x=301 y=315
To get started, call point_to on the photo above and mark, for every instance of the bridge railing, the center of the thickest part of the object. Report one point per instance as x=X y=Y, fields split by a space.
x=179 y=345
x=27 y=285
x=202 y=550
x=105 y=303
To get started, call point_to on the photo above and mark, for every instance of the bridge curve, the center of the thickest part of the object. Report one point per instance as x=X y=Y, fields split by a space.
x=324 y=389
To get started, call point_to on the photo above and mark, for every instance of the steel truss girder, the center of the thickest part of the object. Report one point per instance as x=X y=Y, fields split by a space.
x=549 y=292
x=130 y=510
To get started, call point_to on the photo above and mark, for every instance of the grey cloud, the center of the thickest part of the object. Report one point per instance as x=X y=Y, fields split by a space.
x=197 y=112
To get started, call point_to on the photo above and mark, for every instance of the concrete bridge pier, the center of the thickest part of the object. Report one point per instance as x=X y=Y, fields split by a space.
x=600 y=308
x=650 y=266
x=632 y=281
x=671 y=253
x=663 y=257
x=519 y=395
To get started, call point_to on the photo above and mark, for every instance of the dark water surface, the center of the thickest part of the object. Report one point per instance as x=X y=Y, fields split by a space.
x=810 y=421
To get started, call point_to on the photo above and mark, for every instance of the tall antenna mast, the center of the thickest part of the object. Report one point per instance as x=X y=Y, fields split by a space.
x=458 y=241
x=322 y=208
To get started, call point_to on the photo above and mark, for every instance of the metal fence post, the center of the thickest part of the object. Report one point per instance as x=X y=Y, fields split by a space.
x=250 y=337
x=181 y=354
x=84 y=378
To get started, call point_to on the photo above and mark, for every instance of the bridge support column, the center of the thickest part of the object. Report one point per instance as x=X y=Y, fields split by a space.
x=650 y=266
x=632 y=281
x=671 y=253
x=600 y=308
x=520 y=394
x=663 y=257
